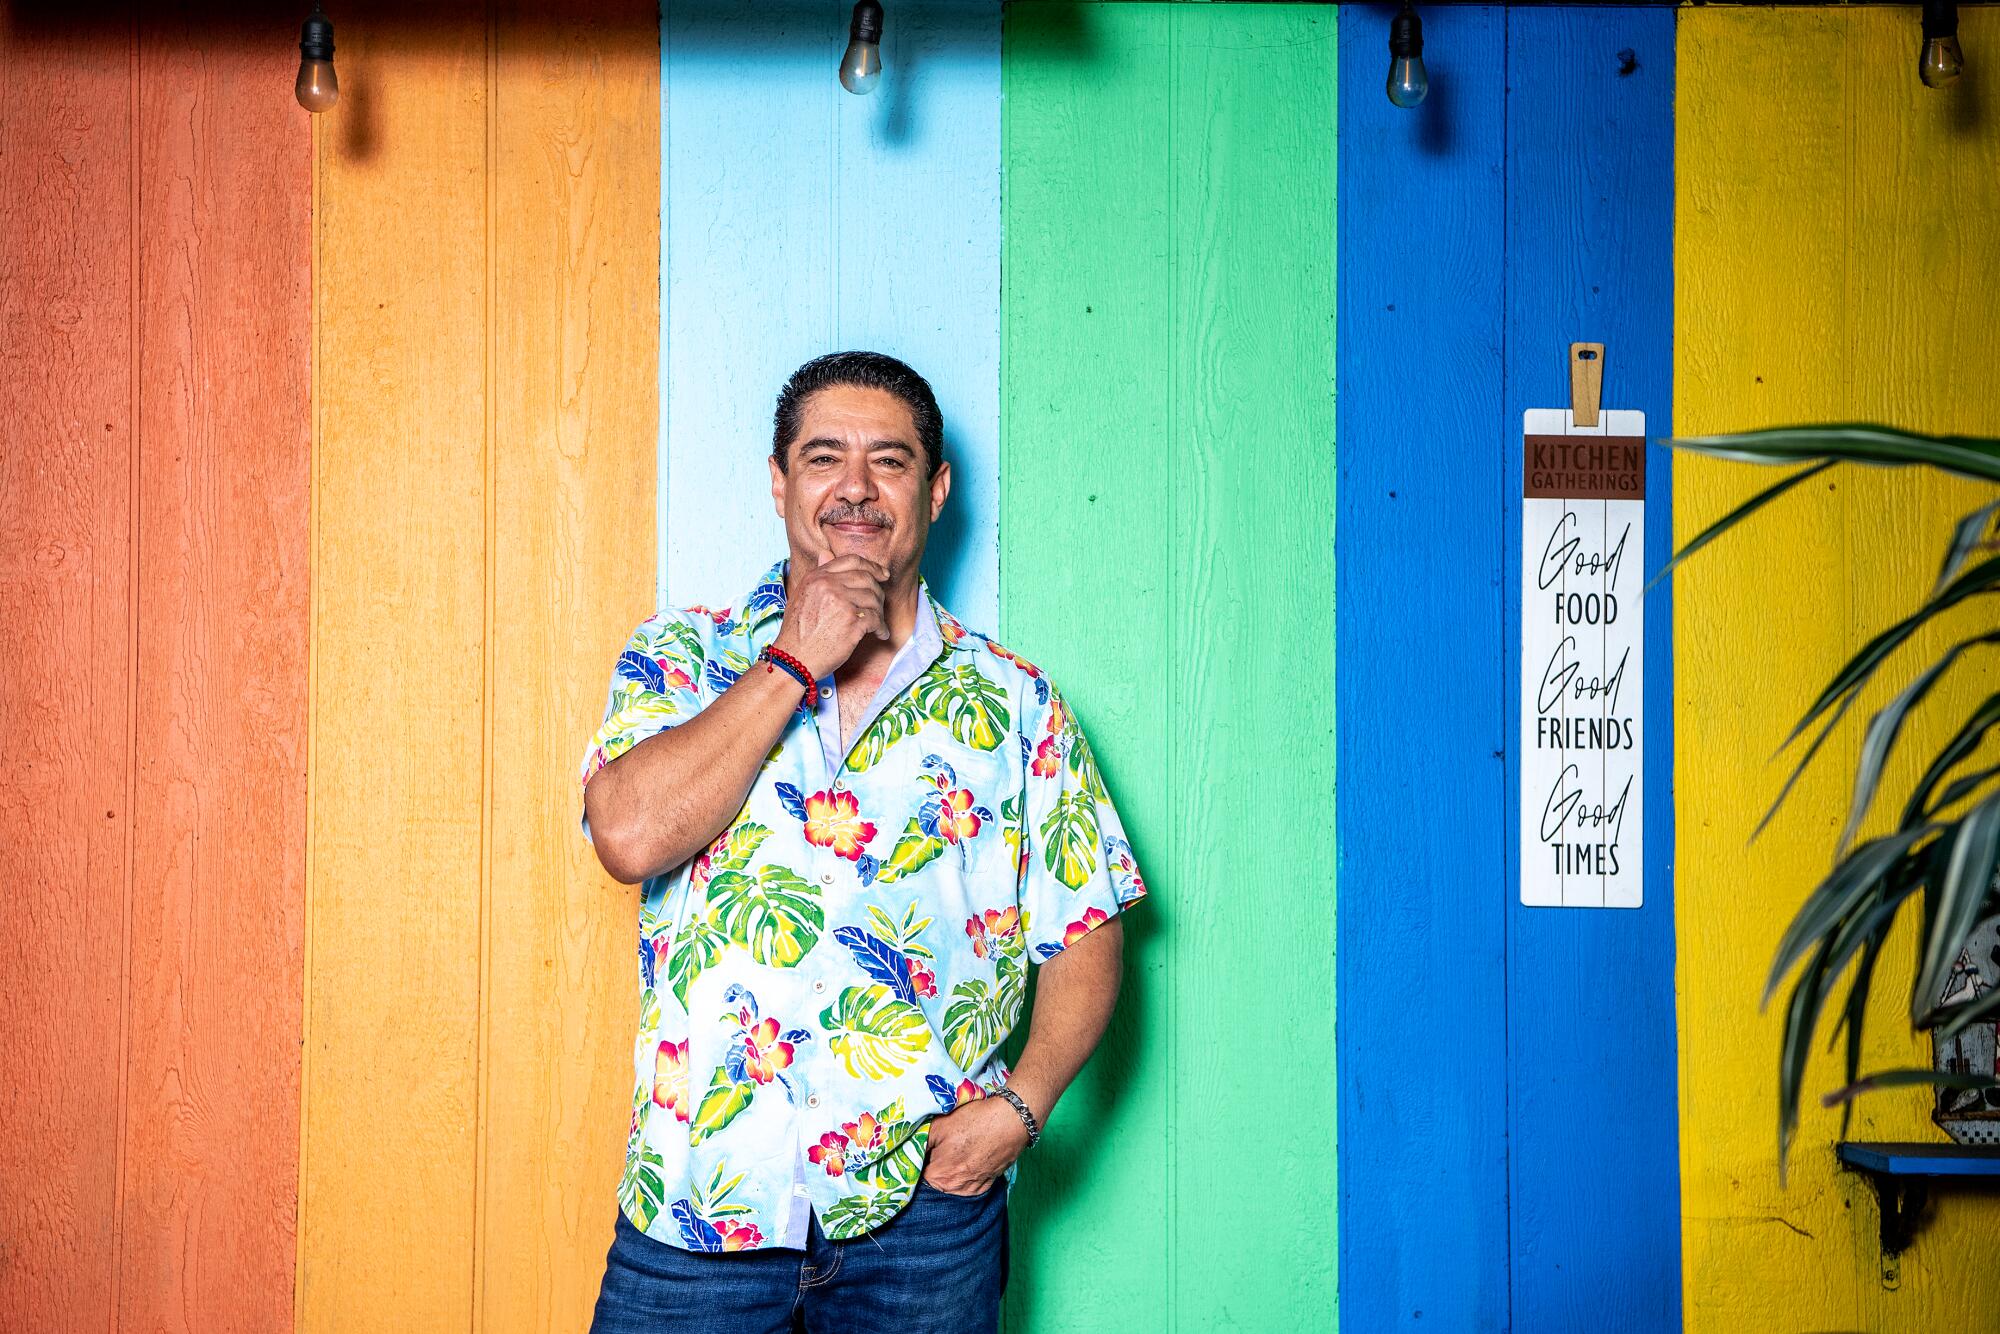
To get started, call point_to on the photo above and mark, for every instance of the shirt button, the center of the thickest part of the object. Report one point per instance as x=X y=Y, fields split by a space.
x=812 y=1099
x=826 y=877
x=819 y=984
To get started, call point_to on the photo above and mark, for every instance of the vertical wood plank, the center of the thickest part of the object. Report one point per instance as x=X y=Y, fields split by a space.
x=1168 y=429
x=1882 y=302
x=801 y=219
x=212 y=1092
x=576 y=338
x=1593 y=1201
x=1252 y=106
x=1086 y=540
x=68 y=448
x=388 y=1180
x=1423 y=802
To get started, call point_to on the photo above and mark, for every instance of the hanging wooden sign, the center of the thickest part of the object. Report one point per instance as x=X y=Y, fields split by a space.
x=1582 y=746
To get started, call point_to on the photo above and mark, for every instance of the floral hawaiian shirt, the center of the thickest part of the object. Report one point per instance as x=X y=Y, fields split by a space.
x=844 y=962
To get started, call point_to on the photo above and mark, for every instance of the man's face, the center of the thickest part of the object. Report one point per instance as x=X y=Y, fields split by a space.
x=856 y=483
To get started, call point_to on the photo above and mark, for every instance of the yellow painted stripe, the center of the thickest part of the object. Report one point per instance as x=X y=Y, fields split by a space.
x=576 y=278
x=1838 y=257
x=486 y=298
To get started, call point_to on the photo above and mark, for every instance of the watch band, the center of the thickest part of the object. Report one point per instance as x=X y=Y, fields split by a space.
x=1021 y=1110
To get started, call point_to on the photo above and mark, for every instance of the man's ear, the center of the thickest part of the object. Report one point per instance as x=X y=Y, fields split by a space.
x=778 y=480
x=940 y=488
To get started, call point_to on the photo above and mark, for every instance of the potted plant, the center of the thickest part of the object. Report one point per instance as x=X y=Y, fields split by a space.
x=1940 y=858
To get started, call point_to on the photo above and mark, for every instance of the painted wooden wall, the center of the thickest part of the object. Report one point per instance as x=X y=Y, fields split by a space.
x=153 y=580
x=320 y=1010
x=486 y=250
x=1507 y=1113
x=1838 y=258
x=801 y=219
x=1166 y=526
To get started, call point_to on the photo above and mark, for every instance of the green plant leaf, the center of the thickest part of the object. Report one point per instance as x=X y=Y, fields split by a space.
x=1983 y=577
x=1963 y=743
x=1955 y=1019
x=1083 y=764
x=725 y=1098
x=1966 y=538
x=901 y=1165
x=642 y=1190
x=1795 y=1048
x=700 y=946
x=689 y=643
x=1857 y=442
x=913 y=852
x=1908 y=1078
x=1805 y=760
x=878 y=1036
x=1069 y=839
x=774 y=914
x=1870 y=930
x=895 y=722
x=974 y=1021
x=974 y=708
x=1872 y=920
x=712 y=1200
x=1734 y=517
x=1885 y=726
x=740 y=846
x=1958 y=895
x=861 y=1212
x=1837 y=897
x=1965 y=785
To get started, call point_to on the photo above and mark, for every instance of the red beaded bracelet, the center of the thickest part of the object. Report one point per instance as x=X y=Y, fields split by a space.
x=771 y=657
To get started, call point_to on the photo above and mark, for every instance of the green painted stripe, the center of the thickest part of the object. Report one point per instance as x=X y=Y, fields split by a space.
x=1167 y=554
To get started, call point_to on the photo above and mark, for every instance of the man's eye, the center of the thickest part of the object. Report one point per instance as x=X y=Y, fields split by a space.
x=893 y=464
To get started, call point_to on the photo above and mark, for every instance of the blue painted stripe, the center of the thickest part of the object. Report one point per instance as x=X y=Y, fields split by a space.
x=800 y=219
x=1508 y=1117
x=1593 y=1121
x=1422 y=803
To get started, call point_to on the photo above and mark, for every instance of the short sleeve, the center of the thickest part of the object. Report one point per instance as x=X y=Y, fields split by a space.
x=1078 y=871
x=654 y=685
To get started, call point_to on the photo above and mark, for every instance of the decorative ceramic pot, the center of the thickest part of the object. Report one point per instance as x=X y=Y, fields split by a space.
x=1971 y=1116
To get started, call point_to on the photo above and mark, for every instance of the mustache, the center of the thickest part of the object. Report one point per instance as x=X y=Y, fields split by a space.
x=856 y=514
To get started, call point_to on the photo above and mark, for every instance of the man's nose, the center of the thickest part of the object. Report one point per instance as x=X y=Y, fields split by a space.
x=857 y=483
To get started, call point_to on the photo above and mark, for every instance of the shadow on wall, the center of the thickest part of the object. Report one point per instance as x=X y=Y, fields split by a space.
x=1067 y=1156
x=780 y=27
x=778 y=30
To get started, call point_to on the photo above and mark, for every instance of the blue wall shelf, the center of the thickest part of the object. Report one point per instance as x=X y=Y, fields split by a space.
x=1903 y=1174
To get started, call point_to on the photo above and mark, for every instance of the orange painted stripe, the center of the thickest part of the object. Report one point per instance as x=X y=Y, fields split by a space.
x=154 y=215
x=66 y=469
x=486 y=423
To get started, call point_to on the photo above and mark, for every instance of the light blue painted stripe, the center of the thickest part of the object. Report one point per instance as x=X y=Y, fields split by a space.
x=800 y=219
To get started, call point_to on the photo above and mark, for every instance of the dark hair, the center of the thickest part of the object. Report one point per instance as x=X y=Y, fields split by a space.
x=864 y=370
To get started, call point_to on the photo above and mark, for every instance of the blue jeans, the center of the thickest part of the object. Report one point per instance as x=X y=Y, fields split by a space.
x=940 y=1265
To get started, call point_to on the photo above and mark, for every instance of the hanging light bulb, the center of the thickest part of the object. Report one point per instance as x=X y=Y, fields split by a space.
x=1408 y=81
x=1941 y=61
x=317 y=88
x=861 y=66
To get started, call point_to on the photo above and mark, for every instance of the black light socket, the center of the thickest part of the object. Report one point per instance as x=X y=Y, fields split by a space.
x=1940 y=19
x=1406 y=34
x=316 y=37
x=867 y=24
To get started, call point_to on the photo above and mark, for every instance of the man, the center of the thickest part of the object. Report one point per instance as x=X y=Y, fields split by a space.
x=857 y=822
